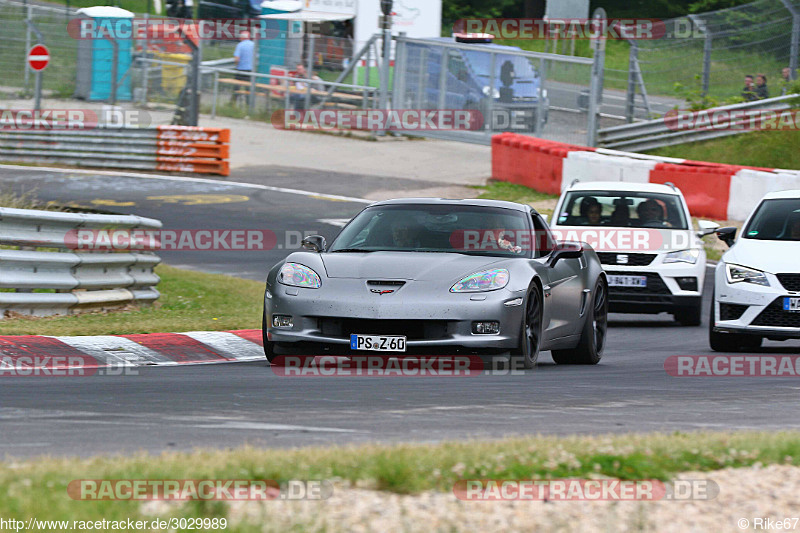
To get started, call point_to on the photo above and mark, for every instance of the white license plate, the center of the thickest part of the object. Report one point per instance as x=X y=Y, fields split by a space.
x=792 y=305
x=378 y=343
x=627 y=281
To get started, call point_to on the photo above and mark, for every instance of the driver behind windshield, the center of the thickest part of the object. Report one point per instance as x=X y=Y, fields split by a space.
x=591 y=211
x=651 y=213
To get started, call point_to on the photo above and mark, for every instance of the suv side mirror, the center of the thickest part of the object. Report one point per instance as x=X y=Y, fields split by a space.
x=706 y=227
x=727 y=235
x=314 y=243
x=565 y=250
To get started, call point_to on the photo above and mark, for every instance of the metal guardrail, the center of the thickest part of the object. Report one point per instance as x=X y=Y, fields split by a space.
x=79 y=280
x=162 y=148
x=657 y=133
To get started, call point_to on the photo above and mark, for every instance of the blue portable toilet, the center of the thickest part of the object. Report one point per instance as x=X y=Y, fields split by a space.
x=96 y=55
x=280 y=47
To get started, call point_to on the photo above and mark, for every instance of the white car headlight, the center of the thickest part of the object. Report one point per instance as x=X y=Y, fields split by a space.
x=738 y=274
x=298 y=275
x=488 y=280
x=684 y=256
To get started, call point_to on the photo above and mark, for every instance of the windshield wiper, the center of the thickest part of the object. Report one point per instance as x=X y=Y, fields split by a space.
x=352 y=250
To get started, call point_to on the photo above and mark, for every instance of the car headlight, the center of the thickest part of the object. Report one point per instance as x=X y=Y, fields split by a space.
x=495 y=92
x=488 y=280
x=738 y=274
x=684 y=256
x=298 y=275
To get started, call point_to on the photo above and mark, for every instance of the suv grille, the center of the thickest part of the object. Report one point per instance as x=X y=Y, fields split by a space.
x=775 y=316
x=610 y=258
x=731 y=311
x=412 y=329
x=655 y=285
x=790 y=282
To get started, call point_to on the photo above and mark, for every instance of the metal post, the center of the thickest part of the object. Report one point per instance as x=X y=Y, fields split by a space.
x=489 y=119
x=442 y=100
x=630 y=100
x=599 y=45
x=385 y=65
x=29 y=21
x=540 y=110
x=252 y=103
x=216 y=94
x=146 y=51
x=114 y=69
x=38 y=81
x=367 y=66
x=707 y=47
x=399 y=91
x=423 y=73
x=312 y=39
x=193 y=83
x=795 y=38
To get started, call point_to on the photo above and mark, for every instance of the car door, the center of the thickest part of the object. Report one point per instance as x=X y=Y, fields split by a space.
x=564 y=293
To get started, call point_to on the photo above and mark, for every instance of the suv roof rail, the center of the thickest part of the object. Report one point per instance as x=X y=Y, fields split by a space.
x=674 y=188
x=576 y=180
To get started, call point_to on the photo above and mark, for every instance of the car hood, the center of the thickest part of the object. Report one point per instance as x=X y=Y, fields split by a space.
x=770 y=256
x=404 y=265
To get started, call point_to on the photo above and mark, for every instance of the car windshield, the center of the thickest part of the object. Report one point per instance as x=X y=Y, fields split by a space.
x=622 y=209
x=775 y=220
x=474 y=230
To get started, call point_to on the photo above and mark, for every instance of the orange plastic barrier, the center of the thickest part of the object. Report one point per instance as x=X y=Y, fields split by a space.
x=193 y=149
x=706 y=188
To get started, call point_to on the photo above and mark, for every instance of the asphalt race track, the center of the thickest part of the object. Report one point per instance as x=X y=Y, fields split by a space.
x=228 y=405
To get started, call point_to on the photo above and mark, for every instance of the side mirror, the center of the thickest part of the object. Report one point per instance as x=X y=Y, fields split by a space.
x=706 y=227
x=314 y=243
x=565 y=250
x=727 y=235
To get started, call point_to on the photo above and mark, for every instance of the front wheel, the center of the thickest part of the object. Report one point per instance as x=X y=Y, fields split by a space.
x=593 y=337
x=530 y=339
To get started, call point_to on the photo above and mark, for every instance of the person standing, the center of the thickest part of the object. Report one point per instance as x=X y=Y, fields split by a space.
x=762 y=92
x=749 y=91
x=243 y=56
x=786 y=75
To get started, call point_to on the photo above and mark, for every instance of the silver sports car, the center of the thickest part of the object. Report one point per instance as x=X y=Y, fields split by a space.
x=431 y=276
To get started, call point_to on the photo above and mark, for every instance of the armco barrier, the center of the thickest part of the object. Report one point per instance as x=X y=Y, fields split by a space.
x=162 y=148
x=79 y=280
x=723 y=192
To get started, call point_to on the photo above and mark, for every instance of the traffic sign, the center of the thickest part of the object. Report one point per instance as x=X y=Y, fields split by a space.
x=38 y=57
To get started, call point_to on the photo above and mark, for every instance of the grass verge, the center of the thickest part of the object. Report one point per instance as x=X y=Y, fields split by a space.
x=769 y=149
x=39 y=487
x=190 y=301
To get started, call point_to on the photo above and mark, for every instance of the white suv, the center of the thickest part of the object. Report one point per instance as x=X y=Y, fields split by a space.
x=757 y=282
x=643 y=234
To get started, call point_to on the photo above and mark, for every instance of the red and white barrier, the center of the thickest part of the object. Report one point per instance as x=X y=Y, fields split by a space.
x=723 y=192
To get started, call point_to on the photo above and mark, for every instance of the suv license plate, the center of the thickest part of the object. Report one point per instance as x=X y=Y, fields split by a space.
x=378 y=343
x=627 y=281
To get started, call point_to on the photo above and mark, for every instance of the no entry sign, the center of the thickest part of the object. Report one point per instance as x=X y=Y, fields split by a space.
x=38 y=57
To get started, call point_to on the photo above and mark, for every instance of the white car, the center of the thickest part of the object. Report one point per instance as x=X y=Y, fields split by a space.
x=643 y=234
x=757 y=282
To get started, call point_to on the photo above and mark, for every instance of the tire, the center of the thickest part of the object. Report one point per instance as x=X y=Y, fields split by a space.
x=269 y=346
x=530 y=337
x=729 y=342
x=689 y=316
x=590 y=348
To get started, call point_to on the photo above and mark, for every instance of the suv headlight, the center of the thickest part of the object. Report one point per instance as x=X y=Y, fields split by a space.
x=737 y=274
x=488 y=280
x=298 y=275
x=684 y=256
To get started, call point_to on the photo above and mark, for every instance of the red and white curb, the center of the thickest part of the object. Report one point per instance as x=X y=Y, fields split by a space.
x=150 y=349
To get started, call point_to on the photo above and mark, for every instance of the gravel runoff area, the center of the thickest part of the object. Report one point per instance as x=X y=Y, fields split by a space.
x=744 y=493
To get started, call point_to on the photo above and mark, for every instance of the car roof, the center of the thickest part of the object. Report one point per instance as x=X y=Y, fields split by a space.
x=623 y=186
x=447 y=201
x=792 y=193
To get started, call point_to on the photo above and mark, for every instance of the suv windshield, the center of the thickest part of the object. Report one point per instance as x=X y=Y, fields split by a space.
x=622 y=209
x=775 y=220
x=436 y=228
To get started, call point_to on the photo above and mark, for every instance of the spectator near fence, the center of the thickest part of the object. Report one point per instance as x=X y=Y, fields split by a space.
x=762 y=93
x=786 y=79
x=749 y=91
x=243 y=55
x=297 y=99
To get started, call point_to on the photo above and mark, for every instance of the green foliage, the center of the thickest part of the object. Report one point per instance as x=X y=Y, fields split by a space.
x=696 y=100
x=453 y=10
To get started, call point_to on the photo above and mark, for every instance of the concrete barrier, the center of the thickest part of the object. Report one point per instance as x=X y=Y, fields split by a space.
x=715 y=190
